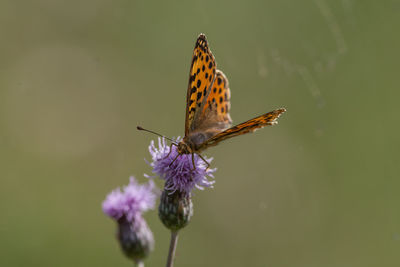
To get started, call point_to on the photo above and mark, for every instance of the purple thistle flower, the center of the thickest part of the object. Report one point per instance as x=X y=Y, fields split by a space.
x=126 y=208
x=180 y=176
x=131 y=202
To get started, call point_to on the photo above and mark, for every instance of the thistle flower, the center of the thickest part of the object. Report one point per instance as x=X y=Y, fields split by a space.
x=126 y=208
x=180 y=176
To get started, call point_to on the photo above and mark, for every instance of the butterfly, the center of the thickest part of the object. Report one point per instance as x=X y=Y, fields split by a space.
x=207 y=120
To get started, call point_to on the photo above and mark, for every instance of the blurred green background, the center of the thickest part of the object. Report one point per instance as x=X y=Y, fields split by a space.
x=319 y=189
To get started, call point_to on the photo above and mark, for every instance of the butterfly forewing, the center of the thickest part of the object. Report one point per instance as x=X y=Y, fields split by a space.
x=269 y=118
x=201 y=77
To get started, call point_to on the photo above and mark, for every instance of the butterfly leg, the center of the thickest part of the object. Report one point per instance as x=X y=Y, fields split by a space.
x=170 y=150
x=174 y=160
x=205 y=161
x=194 y=165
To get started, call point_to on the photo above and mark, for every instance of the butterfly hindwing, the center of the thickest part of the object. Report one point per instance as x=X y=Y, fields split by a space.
x=243 y=128
x=201 y=77
x=214 y=116
x=218 y=103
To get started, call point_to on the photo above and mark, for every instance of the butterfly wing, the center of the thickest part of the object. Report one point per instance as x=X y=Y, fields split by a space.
x=214 y=116
x=215 y=109
x=201 y=78
x=208 y=103
x=269 y=118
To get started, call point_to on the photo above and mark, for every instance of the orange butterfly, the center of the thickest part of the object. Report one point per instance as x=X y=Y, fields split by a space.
x=207 y=106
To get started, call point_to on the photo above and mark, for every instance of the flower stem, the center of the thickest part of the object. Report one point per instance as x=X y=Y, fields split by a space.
x=172 y=248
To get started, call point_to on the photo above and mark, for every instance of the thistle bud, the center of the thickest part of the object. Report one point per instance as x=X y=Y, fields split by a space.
x=175 y=209
x=135 y=238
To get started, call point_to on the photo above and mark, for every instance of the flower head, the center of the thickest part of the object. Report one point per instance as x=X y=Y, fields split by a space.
x=181 y=175
x=131 y=202
x=126 y=207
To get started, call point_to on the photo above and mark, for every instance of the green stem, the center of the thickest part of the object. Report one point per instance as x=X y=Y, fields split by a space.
x=172 y=248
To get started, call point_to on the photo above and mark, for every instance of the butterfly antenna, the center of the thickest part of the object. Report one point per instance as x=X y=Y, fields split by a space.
x=143 y=129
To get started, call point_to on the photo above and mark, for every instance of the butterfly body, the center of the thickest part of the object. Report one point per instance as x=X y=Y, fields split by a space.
x=193 y=142
x=208 y=104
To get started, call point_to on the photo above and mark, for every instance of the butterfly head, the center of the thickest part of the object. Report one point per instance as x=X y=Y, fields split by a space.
x=184 y=147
